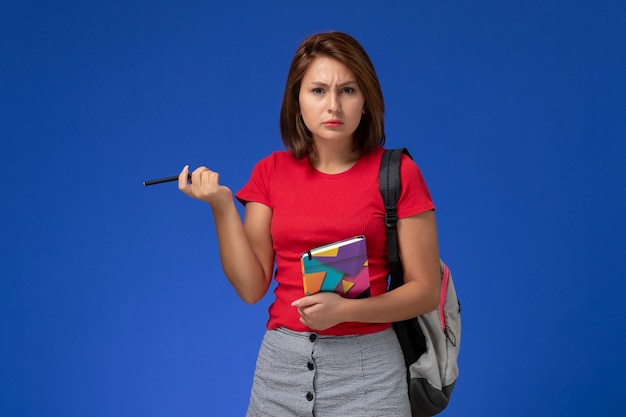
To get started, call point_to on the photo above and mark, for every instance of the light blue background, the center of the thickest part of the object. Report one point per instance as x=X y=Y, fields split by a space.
x=112 y=298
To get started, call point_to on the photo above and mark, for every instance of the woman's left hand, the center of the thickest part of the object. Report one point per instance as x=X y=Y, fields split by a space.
x=320 y=311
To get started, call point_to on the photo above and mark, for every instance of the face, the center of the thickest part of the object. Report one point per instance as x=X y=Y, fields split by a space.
x=331 y=101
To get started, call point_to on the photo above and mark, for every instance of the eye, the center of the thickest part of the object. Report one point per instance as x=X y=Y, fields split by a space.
x=317 y=90
x=348 y=90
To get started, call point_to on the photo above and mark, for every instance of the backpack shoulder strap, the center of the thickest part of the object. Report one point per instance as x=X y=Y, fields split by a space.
x=390 y=188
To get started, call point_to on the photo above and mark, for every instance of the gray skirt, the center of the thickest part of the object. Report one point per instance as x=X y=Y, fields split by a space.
x=306 y=374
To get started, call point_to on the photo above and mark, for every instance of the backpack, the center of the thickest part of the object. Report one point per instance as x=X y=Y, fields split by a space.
x=430 y=342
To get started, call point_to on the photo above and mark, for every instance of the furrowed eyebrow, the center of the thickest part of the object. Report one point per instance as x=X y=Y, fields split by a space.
x=344 y=84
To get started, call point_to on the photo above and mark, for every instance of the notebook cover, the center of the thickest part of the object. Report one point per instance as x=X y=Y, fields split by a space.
x=339 y=267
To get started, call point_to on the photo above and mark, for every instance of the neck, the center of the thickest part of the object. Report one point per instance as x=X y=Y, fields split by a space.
x=333 y=159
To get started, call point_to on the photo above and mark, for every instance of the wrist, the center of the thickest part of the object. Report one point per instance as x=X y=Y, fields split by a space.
x=222 y=206
x=348 y=310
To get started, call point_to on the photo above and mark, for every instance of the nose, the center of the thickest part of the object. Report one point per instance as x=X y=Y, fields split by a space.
x=334 y=105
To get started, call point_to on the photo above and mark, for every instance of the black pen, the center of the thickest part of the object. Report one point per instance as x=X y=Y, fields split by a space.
x=162 y=180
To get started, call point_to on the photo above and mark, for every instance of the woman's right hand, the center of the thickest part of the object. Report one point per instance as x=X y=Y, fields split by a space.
x=204 y=186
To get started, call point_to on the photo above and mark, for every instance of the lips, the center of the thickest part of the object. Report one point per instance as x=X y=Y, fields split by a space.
x=333 y=123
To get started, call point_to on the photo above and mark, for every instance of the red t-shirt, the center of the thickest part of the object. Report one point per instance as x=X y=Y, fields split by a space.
x=311 y=209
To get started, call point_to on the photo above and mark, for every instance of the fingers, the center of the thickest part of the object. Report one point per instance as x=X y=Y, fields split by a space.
x=205 y=178
x=319 y=311
x=201 y=184
x=306 y=306
x=309 y=300
x=183 y=179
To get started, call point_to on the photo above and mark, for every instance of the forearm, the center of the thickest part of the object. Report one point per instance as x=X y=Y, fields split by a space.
x=241 y=265
x=410 y=300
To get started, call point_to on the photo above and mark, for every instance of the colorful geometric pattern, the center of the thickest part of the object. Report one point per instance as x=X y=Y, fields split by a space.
x=340 y=267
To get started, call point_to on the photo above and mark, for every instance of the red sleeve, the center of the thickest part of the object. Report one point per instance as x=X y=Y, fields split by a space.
x=414 y=196
x=257 y=188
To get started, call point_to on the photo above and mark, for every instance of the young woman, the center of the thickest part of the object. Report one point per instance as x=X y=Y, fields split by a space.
x=324 y=354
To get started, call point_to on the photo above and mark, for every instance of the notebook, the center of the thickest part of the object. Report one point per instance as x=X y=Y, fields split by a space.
x=339 y=267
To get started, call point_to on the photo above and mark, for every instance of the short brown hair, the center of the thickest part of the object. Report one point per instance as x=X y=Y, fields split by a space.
x=344 y=48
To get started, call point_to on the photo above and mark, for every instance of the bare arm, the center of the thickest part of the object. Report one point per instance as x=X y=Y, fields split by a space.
x=419 y=253
x=246 y=250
